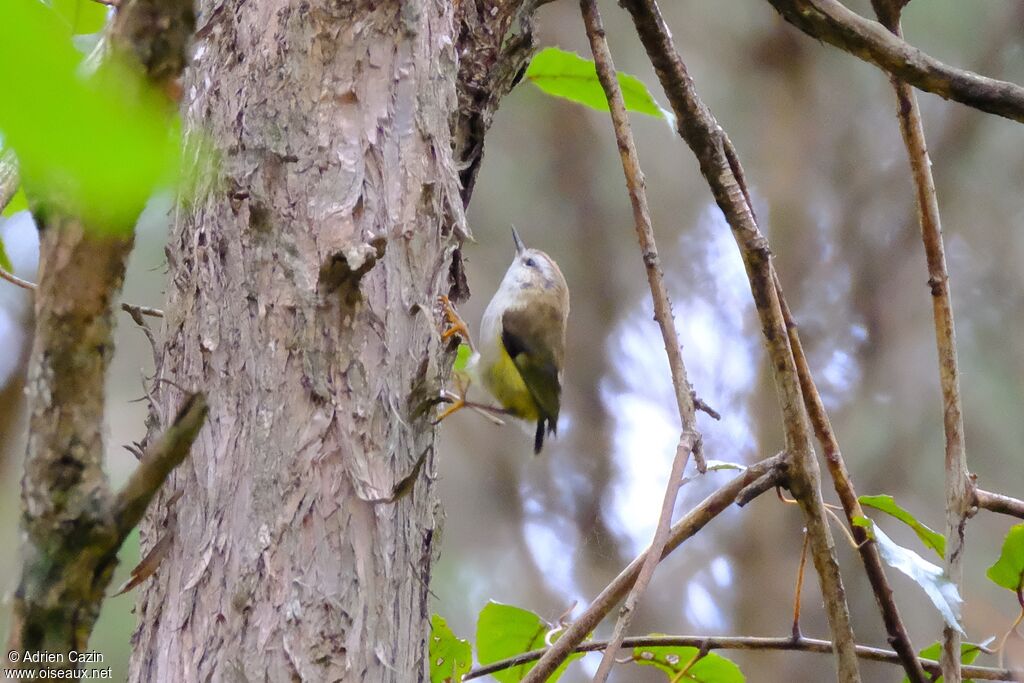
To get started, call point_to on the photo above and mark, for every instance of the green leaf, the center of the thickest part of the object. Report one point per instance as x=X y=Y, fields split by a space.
x=679 y=660
x=81 y=16
x=942 y=592
x=451 y=658
x=888 y=505
x=95 y=145
x=566 y=74
x=968 y=653
x=1008 y=571
x=866 y=523
x=503 y=631
x=18 y=203
x=462 y=357
x=5 y=261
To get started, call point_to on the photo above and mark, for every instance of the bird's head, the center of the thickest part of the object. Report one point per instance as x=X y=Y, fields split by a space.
x=533 y=273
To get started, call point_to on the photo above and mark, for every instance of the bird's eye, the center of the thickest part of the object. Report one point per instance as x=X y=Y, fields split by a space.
x=529 y=262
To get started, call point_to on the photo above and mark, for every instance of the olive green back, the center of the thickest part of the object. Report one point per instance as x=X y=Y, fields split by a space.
x=536 y=344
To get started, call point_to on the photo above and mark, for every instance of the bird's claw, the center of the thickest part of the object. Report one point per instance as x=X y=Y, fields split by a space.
x=456 y=325
x=458 y=404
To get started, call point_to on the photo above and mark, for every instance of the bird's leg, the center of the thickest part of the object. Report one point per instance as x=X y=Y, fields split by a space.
x=456 y=325
x=490 y=412
x=458 y=402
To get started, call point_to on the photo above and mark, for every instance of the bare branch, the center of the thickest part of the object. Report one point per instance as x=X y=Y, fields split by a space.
x=831 y=21
x=160 y=458
x=700 y=405
x=768 y=480
x=709 y=643
x=690 y=524
x=959 y=496
x=724 y=174
x=997 y=502
x=894 y=627
x=689 y=438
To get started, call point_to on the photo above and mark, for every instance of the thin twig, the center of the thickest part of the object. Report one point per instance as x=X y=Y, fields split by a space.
x=1001 y=648
x=708 y=643
x=689 y=437
x=959 y=497
x=797 y=592
x=15 y=280
x=642 y=221
x=894 y=627
x=132 y=310
x=832 y=22
x=721 y=168
x=690 y=524
x=702 y=406
x=997 y=502
x=140 y=321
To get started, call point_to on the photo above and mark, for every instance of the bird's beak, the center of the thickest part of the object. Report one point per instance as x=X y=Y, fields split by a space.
x=520 y=247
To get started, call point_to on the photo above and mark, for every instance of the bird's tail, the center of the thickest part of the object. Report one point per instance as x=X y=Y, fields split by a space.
x=543 y=425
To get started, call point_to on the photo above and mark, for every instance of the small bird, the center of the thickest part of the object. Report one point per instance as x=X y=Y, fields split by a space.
x=522 y=341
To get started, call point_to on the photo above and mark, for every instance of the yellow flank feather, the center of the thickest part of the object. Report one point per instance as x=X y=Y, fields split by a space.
x=506 y=384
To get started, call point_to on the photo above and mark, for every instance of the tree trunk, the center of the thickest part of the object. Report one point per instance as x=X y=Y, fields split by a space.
x=301 y=300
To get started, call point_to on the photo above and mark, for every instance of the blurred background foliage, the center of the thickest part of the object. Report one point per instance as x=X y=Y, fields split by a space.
x=821 y=149
x=88 y=132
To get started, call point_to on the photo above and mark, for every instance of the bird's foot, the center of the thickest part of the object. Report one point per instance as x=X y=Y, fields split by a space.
x=459 y=402
x=455 y=323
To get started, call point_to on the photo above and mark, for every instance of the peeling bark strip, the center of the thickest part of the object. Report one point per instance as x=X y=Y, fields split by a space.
x=300 y=298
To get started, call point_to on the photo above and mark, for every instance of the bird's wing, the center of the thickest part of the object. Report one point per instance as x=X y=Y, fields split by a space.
x=534 y=342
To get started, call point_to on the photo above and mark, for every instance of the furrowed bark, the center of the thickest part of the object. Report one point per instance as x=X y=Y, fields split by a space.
x=301 y=296
x=724 y=175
